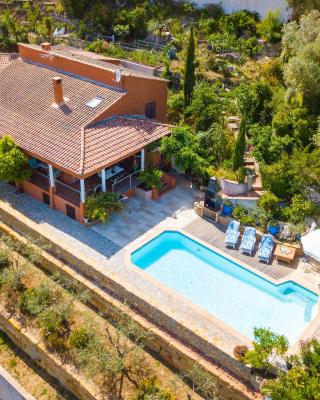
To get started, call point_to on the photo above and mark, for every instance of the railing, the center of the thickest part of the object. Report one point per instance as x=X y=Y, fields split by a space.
x=131 y=181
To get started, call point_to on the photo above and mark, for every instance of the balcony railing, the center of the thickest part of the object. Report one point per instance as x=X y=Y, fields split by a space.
x=126 y=183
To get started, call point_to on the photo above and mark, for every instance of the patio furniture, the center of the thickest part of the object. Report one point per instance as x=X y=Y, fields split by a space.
x=111 y=172
x=34 y=163
x=248 y=240
x=232 y=234
x=265 y=248
x=285 y=253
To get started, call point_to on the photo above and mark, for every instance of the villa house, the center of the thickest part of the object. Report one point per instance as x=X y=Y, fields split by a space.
x=83 y=120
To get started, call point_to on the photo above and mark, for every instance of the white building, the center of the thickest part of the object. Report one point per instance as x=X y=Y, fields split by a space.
x=260 y=6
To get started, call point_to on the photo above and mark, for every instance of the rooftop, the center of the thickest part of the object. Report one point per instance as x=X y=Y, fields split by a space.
x=6 y=59
x=27 y=112
x=63 y=136
x=97 y=60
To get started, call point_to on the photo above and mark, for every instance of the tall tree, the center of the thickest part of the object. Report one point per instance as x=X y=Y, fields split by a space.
x=240 y=147
x=189 y=70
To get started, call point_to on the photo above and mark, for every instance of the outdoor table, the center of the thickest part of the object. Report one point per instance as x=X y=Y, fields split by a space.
x=285 y=253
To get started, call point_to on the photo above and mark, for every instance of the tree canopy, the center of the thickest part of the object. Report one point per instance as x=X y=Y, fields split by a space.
x=13 y=163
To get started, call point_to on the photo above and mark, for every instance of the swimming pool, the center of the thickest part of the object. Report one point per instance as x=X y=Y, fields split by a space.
x=227 y=290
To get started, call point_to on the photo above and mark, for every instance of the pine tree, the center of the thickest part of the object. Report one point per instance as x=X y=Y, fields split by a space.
x=240 y=147
x=189 y=70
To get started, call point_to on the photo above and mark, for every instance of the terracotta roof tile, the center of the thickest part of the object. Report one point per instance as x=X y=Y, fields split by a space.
x=26 y=112
x=6 y=59
x=108 y=142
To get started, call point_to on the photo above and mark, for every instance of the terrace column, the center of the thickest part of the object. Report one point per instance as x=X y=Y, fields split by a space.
x=52 y=187
x=103 y=180
x=142 y=160
x=82 y=191
x=82 y=200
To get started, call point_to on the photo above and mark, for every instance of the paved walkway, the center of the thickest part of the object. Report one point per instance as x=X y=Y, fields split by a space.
x=174 y=208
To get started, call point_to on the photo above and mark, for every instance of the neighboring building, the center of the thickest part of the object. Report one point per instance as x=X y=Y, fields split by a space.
x=83 y=120
x=260 y=6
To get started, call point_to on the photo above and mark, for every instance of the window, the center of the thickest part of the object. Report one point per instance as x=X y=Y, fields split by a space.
x=95 y=102
x=150 y=110
x=71 y=211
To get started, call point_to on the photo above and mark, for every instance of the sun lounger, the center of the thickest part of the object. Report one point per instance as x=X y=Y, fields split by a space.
x=266 y=248
x=232 y=234
x=248 y=240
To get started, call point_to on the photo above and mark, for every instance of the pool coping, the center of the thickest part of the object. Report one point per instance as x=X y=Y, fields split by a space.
x=293 y=277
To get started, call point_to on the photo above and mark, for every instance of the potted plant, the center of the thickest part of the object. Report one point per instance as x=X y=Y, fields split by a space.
x=227 y=207
x=99 y=207
x=150 y=183
x=274 y=227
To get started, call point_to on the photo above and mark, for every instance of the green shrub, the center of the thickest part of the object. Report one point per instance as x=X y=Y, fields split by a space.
x=269 y=203
x=151 y=389
x=151 y=178
x=299 y=209
x=239 y=212
x=247 y=220
x=266 y=347
x=270 y=27
x=100 y=206
x=80 y=338
x=34 y=301
x=11 y=280
x=55 y=319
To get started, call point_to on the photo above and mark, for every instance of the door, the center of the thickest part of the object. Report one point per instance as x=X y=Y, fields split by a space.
x=70 y=211
x=46 y=198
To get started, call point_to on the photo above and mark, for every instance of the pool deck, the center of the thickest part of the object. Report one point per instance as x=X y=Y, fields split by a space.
x=214 y=235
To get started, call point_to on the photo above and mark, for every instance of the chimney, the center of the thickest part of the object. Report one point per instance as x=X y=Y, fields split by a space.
x=46 y=46
x=58 y=91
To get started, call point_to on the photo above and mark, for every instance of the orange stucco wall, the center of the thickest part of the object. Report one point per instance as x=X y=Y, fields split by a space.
x=140 y=90
x=34 y=190
x=60 y=205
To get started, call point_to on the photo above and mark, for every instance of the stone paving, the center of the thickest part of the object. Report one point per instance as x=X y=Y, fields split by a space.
x=175 y=208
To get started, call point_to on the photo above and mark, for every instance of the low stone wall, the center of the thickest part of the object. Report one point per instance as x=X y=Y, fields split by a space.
x=231 y=188
x=22 y=224
x=51 y=364
x=10 y=389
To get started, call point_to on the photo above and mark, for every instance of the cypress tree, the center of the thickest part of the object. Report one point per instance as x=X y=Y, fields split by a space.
x=189 y=70
x=240 y=147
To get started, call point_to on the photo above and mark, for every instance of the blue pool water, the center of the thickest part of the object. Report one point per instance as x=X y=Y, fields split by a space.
x=225 y=289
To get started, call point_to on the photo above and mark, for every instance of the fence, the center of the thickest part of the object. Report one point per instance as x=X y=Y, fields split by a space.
x=125 y=184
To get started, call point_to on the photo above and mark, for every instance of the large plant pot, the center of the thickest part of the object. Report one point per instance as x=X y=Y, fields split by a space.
x=274 y=230
x=227 y=210
x=143 y=193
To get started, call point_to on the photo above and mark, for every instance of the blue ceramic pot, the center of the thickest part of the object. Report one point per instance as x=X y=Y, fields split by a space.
x=274 y=230
x=227 y=210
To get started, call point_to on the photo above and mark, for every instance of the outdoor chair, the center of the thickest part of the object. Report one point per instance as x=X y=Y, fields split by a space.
x=232 y=234
x=265 y=248
x=248 y=240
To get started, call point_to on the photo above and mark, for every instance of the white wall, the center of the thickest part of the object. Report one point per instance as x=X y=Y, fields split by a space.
x=260 y=6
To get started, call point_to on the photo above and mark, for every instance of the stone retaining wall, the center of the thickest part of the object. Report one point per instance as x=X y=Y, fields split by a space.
x=24 y=225
x=51 y=364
